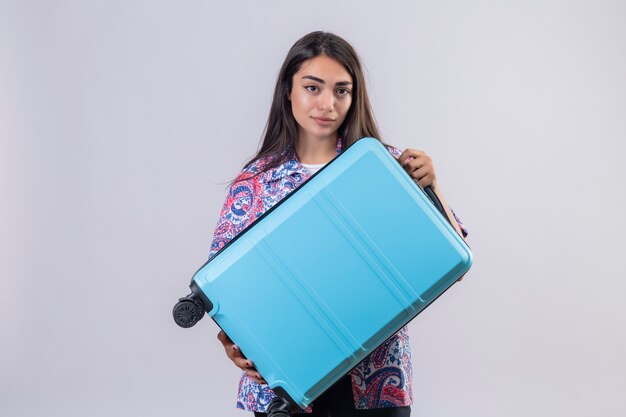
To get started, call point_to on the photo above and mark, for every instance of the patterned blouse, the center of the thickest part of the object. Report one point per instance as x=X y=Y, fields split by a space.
x=384 y=378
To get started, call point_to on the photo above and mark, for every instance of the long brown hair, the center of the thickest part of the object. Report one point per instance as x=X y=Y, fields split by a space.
x=281 y=129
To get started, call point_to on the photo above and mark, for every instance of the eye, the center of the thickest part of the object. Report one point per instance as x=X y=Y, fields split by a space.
x=343 y=91
x=312 y=88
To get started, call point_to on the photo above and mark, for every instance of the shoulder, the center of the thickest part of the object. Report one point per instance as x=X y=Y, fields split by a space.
x=253 y=171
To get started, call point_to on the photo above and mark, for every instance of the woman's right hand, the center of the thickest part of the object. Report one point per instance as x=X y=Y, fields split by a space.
x=234 y=354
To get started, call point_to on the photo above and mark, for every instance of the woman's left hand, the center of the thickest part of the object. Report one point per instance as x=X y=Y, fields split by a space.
x=419 y=166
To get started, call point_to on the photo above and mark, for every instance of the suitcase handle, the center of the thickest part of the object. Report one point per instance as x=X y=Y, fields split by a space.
x=432 y=196
x=430 y=193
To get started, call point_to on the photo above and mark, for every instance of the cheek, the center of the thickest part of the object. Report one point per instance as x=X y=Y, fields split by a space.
x=300 y=101
x=345 y=107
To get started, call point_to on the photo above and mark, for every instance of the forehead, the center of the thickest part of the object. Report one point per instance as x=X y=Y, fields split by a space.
x=324 y=67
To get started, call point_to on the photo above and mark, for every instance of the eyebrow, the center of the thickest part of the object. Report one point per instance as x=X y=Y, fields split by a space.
x=319 y=80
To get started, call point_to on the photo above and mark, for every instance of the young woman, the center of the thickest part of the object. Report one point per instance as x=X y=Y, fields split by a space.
x=320 y=108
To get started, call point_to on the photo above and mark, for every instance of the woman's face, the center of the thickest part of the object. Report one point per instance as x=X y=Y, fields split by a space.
x=320 y=98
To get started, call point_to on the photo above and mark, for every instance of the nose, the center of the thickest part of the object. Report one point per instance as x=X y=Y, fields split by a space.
x=326 y=100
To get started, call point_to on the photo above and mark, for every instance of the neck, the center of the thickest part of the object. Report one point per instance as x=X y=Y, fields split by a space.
x=316 y=150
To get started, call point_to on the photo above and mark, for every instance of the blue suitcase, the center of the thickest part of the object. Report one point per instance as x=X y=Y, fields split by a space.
x=313 y=310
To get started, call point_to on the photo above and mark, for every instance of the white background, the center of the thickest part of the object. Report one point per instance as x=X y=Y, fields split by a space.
x=121 y=123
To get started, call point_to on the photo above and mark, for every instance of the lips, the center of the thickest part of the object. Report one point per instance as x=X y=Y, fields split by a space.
x=324 y=121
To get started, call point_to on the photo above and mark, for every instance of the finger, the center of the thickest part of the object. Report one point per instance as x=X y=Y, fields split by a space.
x=421 y=173
x=239 y=352
x=426 y=181
x=245 y=363
x=242 y=363
x=420 y=159
x=256 y=377
x=403 y=157
x=409 y=153
x=223 y=337
x=417 y=173
x=412 y=165
x=240 y=359
x=234 y=352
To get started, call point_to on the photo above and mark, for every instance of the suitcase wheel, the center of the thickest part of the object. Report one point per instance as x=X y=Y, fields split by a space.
x=187 y=312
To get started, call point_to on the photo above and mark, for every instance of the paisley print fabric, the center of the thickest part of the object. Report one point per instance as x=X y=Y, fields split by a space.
x=384 y=378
